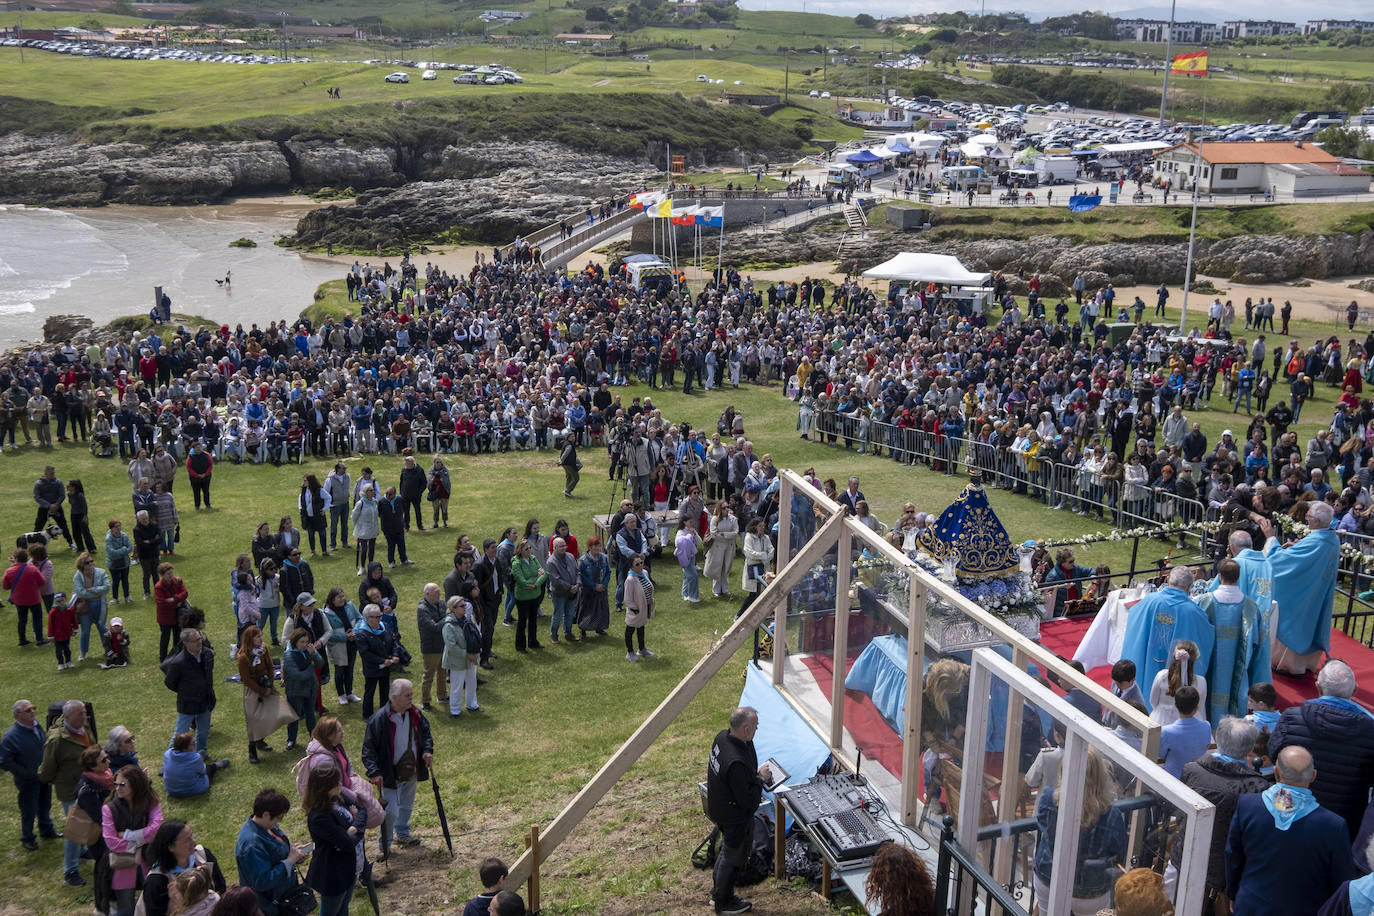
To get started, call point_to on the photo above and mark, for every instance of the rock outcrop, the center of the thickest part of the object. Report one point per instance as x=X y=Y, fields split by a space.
x=55 y=171
x=1244 y=259
x=499 y=190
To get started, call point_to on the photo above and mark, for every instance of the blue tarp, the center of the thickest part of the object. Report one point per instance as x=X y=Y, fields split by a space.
x=783 y=734
x=1081 y=203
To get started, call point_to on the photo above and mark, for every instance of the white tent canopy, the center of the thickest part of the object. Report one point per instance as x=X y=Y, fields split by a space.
x=927 y=268
x=1142 y=146
x=919 y=141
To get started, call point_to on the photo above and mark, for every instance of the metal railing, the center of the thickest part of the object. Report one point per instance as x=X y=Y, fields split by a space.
x=1081 y=490
x=564 y=250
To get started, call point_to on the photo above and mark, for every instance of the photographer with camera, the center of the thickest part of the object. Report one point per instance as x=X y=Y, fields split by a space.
x=639 y=457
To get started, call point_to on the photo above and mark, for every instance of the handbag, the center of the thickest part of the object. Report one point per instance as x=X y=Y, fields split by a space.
x=298 y=899
x=80 y=829
x=124 y=859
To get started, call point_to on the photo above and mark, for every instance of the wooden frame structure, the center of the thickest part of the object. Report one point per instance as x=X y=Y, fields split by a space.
x=839 y=533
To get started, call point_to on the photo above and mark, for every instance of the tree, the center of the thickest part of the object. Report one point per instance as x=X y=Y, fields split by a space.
x=598 y=14
x=1340 y=140
x=944 y=36
x=865 y=21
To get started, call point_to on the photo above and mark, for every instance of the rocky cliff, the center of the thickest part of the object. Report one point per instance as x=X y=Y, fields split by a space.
x=1244 y=259
x=117 y=157
x=508 y=189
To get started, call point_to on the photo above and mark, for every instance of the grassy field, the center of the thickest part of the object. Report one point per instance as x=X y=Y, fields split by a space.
x=547 y=725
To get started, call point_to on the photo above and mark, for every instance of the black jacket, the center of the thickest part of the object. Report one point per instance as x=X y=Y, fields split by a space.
x=1341 y=742
x=391 y=513
x=373 y=649
x=381 y=583
x=333 y=864
x=413 y=483
x=192 y=679
x=379 y=740
x=294 y=579
x=488 y=582
x=147 y=541
x=1221 y=782
x=733 y=787
x=429 y=620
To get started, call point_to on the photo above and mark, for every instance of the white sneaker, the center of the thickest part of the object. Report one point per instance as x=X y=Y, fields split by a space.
x=343 y=701
x=359 y=572
x=61 y=666
x=83 y=657
x=645 y=653
x=631 y=657
x=354 y=698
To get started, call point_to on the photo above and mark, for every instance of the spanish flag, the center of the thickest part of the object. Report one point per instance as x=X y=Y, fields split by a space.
x=1193 y=64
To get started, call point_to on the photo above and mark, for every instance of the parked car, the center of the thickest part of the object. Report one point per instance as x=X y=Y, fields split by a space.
x=467 y=78
x=398 y=77
x=429 y=75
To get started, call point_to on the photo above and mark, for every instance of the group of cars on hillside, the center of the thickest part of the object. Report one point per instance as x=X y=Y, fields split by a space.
x=490 y=74
x=125 y=52
x=1098 y=130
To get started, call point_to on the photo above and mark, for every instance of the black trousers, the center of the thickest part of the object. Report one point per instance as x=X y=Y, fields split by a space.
x=201 y=487
x=382 y=685
x=414 y=501
x=734 y=852
x=526 y=623
x=489 y=615
x=57 y=517
x=168 y=641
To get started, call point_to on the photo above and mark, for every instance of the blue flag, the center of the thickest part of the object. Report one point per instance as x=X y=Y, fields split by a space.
x=1081 y=203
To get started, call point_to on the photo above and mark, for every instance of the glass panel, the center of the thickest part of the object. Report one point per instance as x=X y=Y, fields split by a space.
x=875 y=665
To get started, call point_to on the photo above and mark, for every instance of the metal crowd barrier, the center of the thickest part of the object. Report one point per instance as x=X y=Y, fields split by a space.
x=1057 y=485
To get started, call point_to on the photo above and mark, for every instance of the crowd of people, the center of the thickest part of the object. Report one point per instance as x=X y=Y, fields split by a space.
x=513 y=356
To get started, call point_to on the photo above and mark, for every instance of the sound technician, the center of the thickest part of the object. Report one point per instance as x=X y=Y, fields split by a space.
x=734 y=788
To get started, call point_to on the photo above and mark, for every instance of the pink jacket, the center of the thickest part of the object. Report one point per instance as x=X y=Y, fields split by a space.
x=122 y=879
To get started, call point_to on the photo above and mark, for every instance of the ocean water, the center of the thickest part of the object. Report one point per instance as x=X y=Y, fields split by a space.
x=104 y=263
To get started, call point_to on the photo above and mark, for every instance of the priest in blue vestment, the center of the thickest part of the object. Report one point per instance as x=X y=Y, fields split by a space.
x=1236 y=621
x=1304 y=586
x=1160 y=620
x=1256 y=581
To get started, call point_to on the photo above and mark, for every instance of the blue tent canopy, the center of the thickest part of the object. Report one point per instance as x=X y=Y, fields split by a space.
x=864 y=156
x=899 y=146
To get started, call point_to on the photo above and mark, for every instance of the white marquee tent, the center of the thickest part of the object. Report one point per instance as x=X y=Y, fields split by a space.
x=928 y=268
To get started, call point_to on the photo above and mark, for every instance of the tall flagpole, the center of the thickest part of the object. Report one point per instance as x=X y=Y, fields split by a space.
x=1168 y=62
x=1192 y=229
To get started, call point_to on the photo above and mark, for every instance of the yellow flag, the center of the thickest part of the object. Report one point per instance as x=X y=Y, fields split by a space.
x=665 y=208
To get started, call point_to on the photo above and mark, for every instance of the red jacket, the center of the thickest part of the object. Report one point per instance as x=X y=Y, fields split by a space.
x=169 y=598
x=61 y=622
x=25 y=583
x=209 y=465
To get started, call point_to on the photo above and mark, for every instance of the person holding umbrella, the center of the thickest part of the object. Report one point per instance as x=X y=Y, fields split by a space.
x=398 y=752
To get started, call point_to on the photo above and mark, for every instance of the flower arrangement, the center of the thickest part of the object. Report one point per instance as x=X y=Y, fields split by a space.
x=1004 y=596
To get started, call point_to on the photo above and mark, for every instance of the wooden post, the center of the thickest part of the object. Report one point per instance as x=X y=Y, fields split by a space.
x=532 y=844
x=779 y=839
x=841 y=639
x=915 y=683
x=784 y=547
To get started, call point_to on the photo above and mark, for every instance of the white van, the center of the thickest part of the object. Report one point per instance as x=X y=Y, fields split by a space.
x=429 y=75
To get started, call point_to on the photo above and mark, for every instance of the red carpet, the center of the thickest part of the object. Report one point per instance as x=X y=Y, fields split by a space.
x=1063 y=636
x=861 y=717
